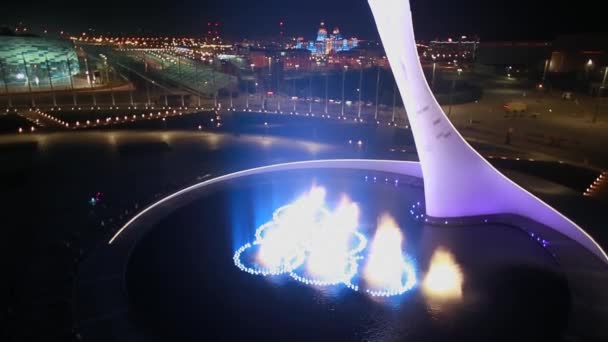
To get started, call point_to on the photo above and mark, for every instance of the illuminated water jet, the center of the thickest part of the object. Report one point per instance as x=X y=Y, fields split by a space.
x=387 y=272
x=292 y=230
x=320 y=247
x=305 y=232
x=444 y=278
x=330 y=249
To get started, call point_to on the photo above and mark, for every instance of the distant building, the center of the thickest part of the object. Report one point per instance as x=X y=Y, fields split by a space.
x=327 y=43
x=526 y=57
x=260 y=58
x=24 y=58
x=361 y=58
x=213 y=33
x=579 y=53
x=295 y=59
x=463 y=49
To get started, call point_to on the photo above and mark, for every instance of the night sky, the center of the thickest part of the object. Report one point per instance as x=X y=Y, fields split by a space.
x=492 y=20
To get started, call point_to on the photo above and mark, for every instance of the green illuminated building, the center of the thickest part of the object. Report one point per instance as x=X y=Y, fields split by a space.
x=39 y=60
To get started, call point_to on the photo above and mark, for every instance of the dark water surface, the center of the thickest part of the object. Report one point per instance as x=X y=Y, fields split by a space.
x=183 y=284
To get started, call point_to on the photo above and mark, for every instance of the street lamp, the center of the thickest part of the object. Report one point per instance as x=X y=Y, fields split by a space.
x=10 y=100
x=252 y=65
x=377 y=93
x=294 y=89
x=310 y=93
x=29 y=84
x=278 y=91
x=452 y=91
x=269 y=65
x=599 y=95
x=394 y=101
x=588 y=68
x=48 y=72
x=360 y=87
x=545 y=70
x=179 y=67
x=247 y=96
x=326 y=91
x=198 y=83
x=343 y=82
x=434 y=69
x=69 y=68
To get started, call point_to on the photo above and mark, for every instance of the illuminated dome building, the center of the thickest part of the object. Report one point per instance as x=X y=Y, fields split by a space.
x=322 y=34
x=37 y=59
x=326 y=43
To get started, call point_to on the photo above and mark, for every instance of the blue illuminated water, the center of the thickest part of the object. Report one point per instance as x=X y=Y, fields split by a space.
x=183 y=284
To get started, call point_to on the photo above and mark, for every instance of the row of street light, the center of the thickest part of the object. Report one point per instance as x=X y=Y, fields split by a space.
x=294 y=97
x=109 y=120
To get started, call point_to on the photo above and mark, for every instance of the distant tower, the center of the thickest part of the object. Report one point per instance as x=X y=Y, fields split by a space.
x=336 y=34
x=213 y=32
x=458 y=181
x=322 y=34
x=282 y=29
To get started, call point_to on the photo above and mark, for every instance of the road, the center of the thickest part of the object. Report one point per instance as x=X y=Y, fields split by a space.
x=551 y=128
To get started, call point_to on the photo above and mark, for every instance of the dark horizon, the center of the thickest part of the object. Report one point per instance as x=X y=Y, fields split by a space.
x=496 y=20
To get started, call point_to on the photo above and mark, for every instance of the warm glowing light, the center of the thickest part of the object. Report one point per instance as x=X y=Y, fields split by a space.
x=291 y=230
x=387 y=272
x=320 y=247
x=329 y=250
x=444 y=278
x=306 y=229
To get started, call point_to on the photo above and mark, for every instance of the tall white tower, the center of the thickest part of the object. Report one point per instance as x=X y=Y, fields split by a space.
x=458 y=182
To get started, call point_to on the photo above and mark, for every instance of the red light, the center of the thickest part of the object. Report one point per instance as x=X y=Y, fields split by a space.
x=281 y=23
x=270 y=93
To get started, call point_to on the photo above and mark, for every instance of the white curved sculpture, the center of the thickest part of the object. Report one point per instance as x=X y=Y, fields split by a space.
x=458 y=182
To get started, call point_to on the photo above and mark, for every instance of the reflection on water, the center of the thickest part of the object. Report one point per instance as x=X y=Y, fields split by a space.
x=444 y=278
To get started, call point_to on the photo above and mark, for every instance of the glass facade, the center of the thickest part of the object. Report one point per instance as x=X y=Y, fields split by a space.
x=40 y=61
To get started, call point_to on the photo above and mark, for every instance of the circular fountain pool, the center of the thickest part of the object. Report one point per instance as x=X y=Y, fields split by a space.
x=200 y=272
